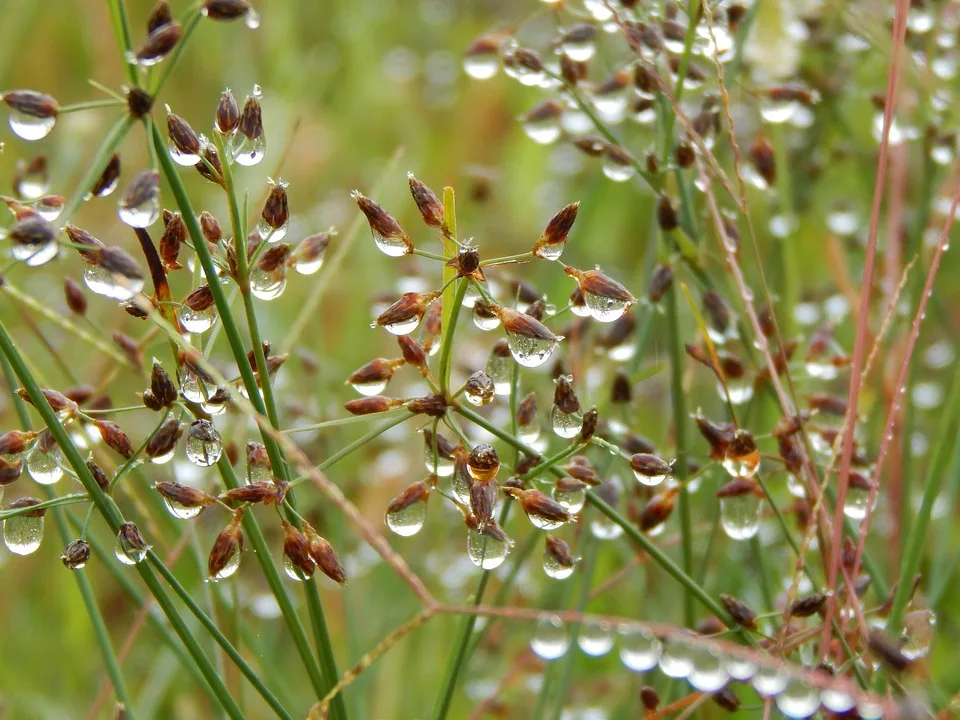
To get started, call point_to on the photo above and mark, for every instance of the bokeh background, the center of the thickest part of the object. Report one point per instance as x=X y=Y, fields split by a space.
x=355 y=94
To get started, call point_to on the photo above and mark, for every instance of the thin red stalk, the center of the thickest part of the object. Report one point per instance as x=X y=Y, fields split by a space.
x=863 y=318
x=902 y=375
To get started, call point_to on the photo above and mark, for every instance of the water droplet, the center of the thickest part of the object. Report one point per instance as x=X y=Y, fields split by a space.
x=203 y=443
x=483 y=320
x=596 y=638
x=29 y=127
x=308 y=265
x=869 y=710
x=798 y=700
x=709 y=670
x=543 y=130
x=529 y=432
x=270 y=284
x=22 y=534
x=252 y=20
x=550 y=639
x=35 y=254
x=530 y=351
x=407 y=521
x=740 y=391
x=769 y=681
x=855 y=505
x=918 y=632
x=168 y=456
x=676 y=659
x=375 y=388
x=572 y=500
x=184 y=159
x=603 y=528
x=230 y=568
x=566 y=425
x=111 y=285
x=129 y=553
x=197 y=321
x=639 y=649
x=740 y=515
x=192 y=387
x=617 y=170
x=481 y=66
x=32 y=184
x=555 y=569
x=292 y=571
x=460 y=483
x=776 y=110
x=604 y=309
x=498 y=370
x=742 y=466
x=44 y=466
x=391 y=246
x=795 y=486
x=486 y=552
x=836 y=701
x=740 y=669
x=249 y=152
x=181 y=511
x=142 y=213
x=270 y=234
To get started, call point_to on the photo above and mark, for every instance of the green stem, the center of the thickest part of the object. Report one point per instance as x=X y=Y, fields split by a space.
x=350 y=420
x=111 y=513
x=53 y=502
x=449 y=327
x=121 y=28
x=89 y=105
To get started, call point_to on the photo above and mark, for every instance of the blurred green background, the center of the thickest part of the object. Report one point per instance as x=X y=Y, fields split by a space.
x=355 y=93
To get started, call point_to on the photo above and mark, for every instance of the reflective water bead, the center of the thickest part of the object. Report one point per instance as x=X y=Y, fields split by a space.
x=22 y=534
x=460 y=483
x=603 y=528
x=408 y=520
x=270 y=284
x=798 y=700
x=709 y=670
x=573 y=500
x=249 y=152
x=111 y=285
x=918 y=632
x=498 y=370
x=486 y=552
x=204 y=445
x=231 y=567
x=676 y=659
x=596 y=638
x=197 y=321
x=836 y=701
x=542 y=123
x=482 y=59
x=639 y=649
x=740 y=516
x=566 y=425
x=768 y=681
x=44 y=464
x=551 y=638
x=531 y=351
x=740 y=669
x=130 y=548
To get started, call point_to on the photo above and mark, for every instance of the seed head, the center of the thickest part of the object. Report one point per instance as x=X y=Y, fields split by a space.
x=275 y=211
x=375 y=371
x=228 y=543
x=209 y=165
x=370 y=405
x=99 y=475
x=413 y=353
x=255 y=492
x=210 y=227
x=228 y=113
x=115 y=438
x=313 y=247
x=650 y=465
x=829 y=404
x=573 y=71
x=580 y=469
x=324 y=556
x=32 y=232
x=164 y=440
x=518 y=323
x=159 y=43
x=717 y=311
x=540 y=507
x=807 y=605
x=130 y=536
x=594 y=282
x=382 y=224
x=430 y=207
x=763 y=159
x=483 y=497
x=558 y=551
x=107 y=181
x=144 y=189
x=184 y=495
x=658 y=509
x=483 y=462
x=739 y=487
x=564 y=398
x=467 y=263
x=75 y=555
x=552 y=241
x=479 y=388
x=887 y=651
x=296 y=547
x=431 y=405
x=251 y=118
x=410 y=305
x=15 y=442
x=727 y=699
x=10 y=471
x=417 y=492
x=720 y=436
x=182 y=136
x=226 y=9
x=741 y=613
x=174 y=234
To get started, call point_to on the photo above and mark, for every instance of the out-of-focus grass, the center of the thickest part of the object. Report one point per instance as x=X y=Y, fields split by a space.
x=357 y=81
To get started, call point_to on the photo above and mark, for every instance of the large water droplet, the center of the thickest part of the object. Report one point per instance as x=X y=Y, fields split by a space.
x=270 y=234
x=249 y=152
x=709 y=670
x=181 y=512
x=603 y=528
x=129 y=553
x=22 y=534
x=798 y=700
x=918 y=632
x=555 y=569
x=543 y=130
x=111 y=285
x=375 y=388
x=44 y=466
x=550 y=639
x=604 y=309
x=596 y=637
x=184 y=159
x=230 y=568
x=676 y=659
x=529 y=432
x=292 y=571
x=29 y=127
x=203 y=444
x=836 y=701
x=481 y=66
x=498 y=370
x=572 y=500
x=639 y=649
x=616 y=170
x=740 y=515
x=740 y=669
x=856 y=503
x=566 y=425
x=197 y=321
x=269 y=284
x=530 y=351
x=486 y=552
x=768 y=681
x=407 y=521
x=776 y=110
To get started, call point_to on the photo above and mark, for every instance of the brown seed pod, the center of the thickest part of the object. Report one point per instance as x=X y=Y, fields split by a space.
x=227 y=116
x=10 y=471
x=580 y=469
x=131 y=538
x=417 y=492
x=658 y=509
x=829 y=404
x=164 y=440
x=107 y=182
x=552 y=241
x=228 y=543
x=558 y=551
x=413 y=353
x=763 y=159
x=739 y=487
x=183 y=495
x=210 y=227
x=174 y=234
x=160 y=15
x=251 y=117
x=26 y=502
x=479 y=388
x=650 y=465
x=741 y=613
x=374 y=372
x=115 y=438
x=324 y=556
x=226 y=9
x=383 y=224
x=32 y=103
x=483 y=498
x=887 y=651
x=276 y=211
x=210 y=166
x=409 y=308
x=99 y=475
x=649 y=698
x=543 y=511
x=432 y=405
x=807 y=605
x=75 y=555
x=467 y=263
x=621 y=391
x=181 y=135
x=727 y=699
x=527 y=410
x=57 y=401
x=594 y=282
x=296 y=548
x=15 y=442
x=254 y=492
x=573 y=71
x=589 y=426
x=159 y=43
x=564 y=397
x=430 y=207
x=660 y=282
x=719 y=435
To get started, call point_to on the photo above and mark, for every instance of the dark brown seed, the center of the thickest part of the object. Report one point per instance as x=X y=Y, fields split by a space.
x=10 y=471
x=34 y=170
x=81 y=237
x=589 y=427
x=727 y=699
x=717 y=311
x=297 y=549
x=645 y=80
x=200 y=299
x=225 y=9
x=108 y=178
x=228 y=113
x=99 y=475
x=483 y=462
x=228 y=543
x=592 y=146
x=541 y=508
x=210 y=227
x=551 y=242
x=572 y=71
x=274 y=258
x=174 y=234
x=564 y=398
x=580 y=469
x=430 y=207
x=144 y=189
x=382 y=224
x=658 y=509
x=76 y=299
x=275 y=211
x=164 y=440
x=251 y=118
x=369 y=405
x=808 y=605
x=660 y=282
x=739 y=487
x=650 y=465
x=183 y=495
x=718 y=435
x=594 y=282
x=160 y=15
x=32 y=232
x=741 y=613
x=527 y=410
x=15 y=442
x=417 y=492
x=432 y=405
x=57 y=401
x=558 y=551
x=621 y=391
x=75 y=555
x=527 y=59
x=130 y=536
x=467 y=263
x=182 y=136
x=830 y=404
x=254 y=492
x=209 y=165
x=325 y=556
x=650 y=698
x=139 y=102
x=115 y=438
x=162 y=386
x=26 y=502
x=32 y=103
x=667 y=215
x=410 y=305
x=762 y=157
x=118 y=262
x=159 y=43
x=445 y=449
x=483 y=498
x=791 y=453
x=684 y=155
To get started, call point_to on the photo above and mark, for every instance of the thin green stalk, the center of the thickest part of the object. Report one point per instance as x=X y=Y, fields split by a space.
x=450 y=306
x=121 y=28
x=83 y=581
x=267 y=405
x=947 y=439
x=46 y=504
x=89 y=105
x=449 y=327
x=349 y=420
x=680 y=436
x=111 y=513
x=230 y=328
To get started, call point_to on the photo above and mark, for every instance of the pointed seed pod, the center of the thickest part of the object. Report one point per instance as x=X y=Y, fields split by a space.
x=226 y=9
x=667 y=214
x=483 y=498
x=430 y=207
x=413 y=353
x=370 y=405
x=184 y=495
x=210 y=227
x=727 y=699
x=251 y=118
x=741 y=613
x=131 y=538
x=107 y=182
x=228 y=544
x=414 y=493
x=763 y=159
x=887 y=651
x=296 y=548
x=550 y=244
x=649 y=698
x=589 y=426
x=543 y=511
x=174 y=235
x=390 y=238
x=580 y=469
x=660 y=282
x=99 y=475
x=467 y=263
x=115 y=438
x=159 y=43
x=559 y=552
x=650 y=465
x=15 y=442
x=597 y=284
x=164 y=440
x=325 y=556
x=275 y=210
x=564 y=398
x=403 y=316
x=32 y=103
x=621 y=391
x=739 y=487
x=228 y=113
x=209 y=165
x=807 y=605
x=658 y=509
x=431 y=405
x=479 y=388
x=76 y=299
x=182 y=136
x=483 y=462
x=75 y=555
x=59 y=402
x=255 y=492
x=720 y=436
x=162 y=385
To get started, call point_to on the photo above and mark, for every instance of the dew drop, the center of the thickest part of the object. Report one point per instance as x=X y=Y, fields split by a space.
x=181 y=512
x=111 y=285
x=375 y=388
x=407 y=521
x=529 y=432
x=769 y=681
x=740 y=515
x=918 y=631
x=44 y=466
x=596 y=638
x=498 y=370
x=229 y=568
x=798 y=700
x=603 y=528
x=555 y=569
x=481 y=66
x=616 y=170
x=530 y=351
x=486 y=552
x=777 y=111
x=740 y=669
x=391 y=246
x=128 y=553
x=550 y=639
x=292 y=571
x=572 y=500
x=856 y=503
x=269 y=284
x=836 y=701
x=22 y=534
x=270 y=234
x=30 y=127
x=639 y=649
x=709 y=670
x=203 y=444
x=543 y=130
x=676 y=659
x=197 y=321
x=249 y=152
x=184 y=159
x=460 y=484
x=566 y=425
x=252 y=20
x=604 y=309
